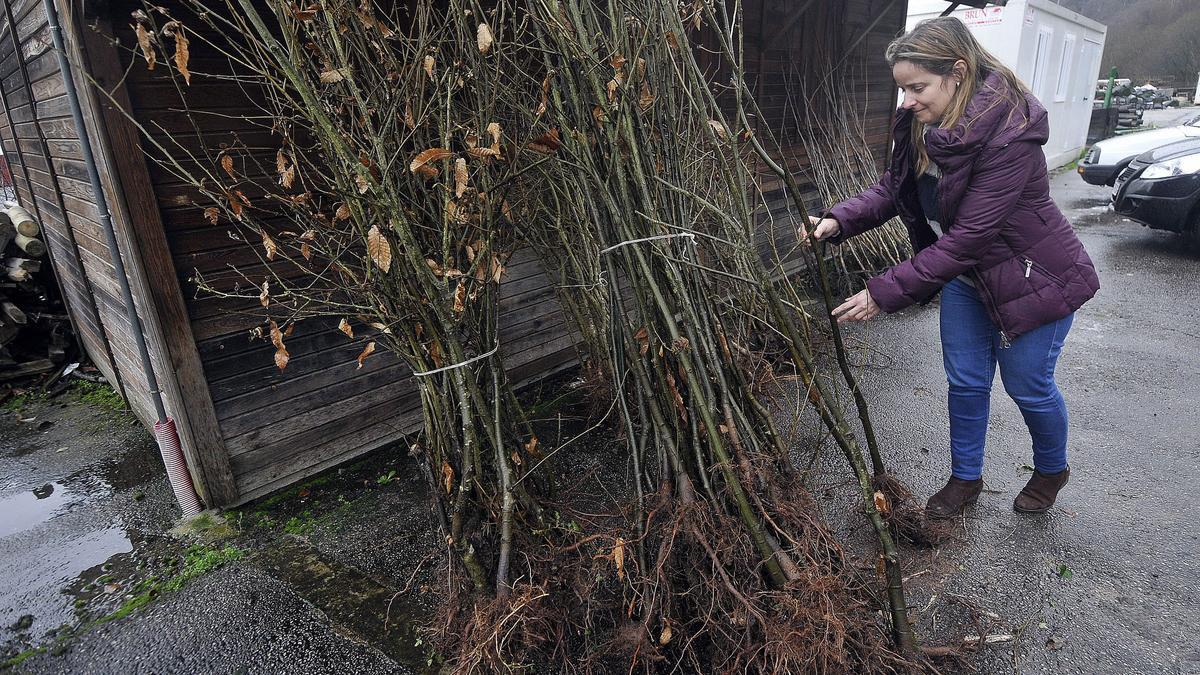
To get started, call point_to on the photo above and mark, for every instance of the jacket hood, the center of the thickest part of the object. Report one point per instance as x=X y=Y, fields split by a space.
x=992 y=119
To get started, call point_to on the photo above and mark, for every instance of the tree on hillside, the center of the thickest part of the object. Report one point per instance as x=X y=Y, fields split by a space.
x=1150 y=39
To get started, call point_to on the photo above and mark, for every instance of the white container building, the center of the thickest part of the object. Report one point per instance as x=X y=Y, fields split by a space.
x=1052 y=49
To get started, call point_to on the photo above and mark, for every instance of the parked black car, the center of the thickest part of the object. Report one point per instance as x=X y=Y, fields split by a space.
x=1161 y=188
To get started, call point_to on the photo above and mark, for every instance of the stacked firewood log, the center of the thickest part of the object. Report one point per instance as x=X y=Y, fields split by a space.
x=34 y=327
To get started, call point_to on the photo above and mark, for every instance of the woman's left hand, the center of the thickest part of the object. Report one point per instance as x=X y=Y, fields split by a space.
x=858 y=307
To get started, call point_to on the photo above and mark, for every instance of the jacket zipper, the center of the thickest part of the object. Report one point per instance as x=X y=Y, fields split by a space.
x=1005 y=340
x=1031 y=265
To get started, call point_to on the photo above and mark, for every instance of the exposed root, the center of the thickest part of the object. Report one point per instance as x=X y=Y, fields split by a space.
x=703 y=605
x=908 y=517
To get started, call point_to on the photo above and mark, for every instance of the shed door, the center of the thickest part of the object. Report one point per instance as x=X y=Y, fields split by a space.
x=1082 y=91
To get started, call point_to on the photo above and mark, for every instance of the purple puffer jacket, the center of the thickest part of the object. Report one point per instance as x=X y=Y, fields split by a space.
x=1003 y=229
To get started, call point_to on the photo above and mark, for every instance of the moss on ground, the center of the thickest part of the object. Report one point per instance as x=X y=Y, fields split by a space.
x=197 y=561
x=21 y=401
x=100 y=395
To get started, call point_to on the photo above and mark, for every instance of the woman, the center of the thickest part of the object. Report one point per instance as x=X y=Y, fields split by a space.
x=968 y=179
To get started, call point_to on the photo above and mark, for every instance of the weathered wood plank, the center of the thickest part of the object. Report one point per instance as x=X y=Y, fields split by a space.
x=154 y=277
x=56 y=107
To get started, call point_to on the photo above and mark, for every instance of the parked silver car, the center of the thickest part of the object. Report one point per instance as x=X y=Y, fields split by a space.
x=1106 y=159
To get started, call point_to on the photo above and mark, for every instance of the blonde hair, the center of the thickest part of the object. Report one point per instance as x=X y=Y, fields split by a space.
x=936 y=45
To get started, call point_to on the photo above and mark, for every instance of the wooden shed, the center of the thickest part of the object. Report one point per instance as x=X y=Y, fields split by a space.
x=246 y=427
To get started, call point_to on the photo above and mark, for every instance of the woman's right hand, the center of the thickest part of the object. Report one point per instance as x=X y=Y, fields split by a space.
x=821 y=228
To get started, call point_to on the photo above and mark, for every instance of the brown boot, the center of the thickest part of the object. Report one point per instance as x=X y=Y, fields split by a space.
x=950 y=500
x=1041 y=490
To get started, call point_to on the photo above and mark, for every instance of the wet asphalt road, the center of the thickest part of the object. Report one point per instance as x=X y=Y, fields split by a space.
x=84 y=512
x=1109 y=581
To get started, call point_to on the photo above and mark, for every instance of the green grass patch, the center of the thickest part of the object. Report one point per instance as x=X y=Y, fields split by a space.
x=200 y=560
x=20 y=658
x=197 y=561
x=100 y=395
x=20 y=401
x=299 y=525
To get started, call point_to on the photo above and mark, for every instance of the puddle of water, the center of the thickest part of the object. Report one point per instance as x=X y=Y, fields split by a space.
x=37 y=574
x=26 y=510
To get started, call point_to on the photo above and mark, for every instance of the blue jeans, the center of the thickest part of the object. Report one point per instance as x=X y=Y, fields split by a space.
x=971 y=349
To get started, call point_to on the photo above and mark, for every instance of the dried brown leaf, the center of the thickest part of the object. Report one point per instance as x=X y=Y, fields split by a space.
x=145 y=41
x=211 y=214
x=264 y=298
x=493 y=129
x=182 y=55
x=719 y=129
x=281 y=353
x=460 y=298
x=647 y=97
x=483 y=153
x=457 y=213
x=679 y=405
x=881 y=504
x=447 y=476
x=430 y=155
x=379 y=249
x=460 y=177
x=268 y=244
x=346 y=328
x=497 y=268
x=334 y=75
x=643 y=336
x=545 y=96
x=306 y=251
x=227 y=166
x=370 y=21
x=483 y=37
x=305 y=14
x=619 y=557
x=428 y=65
x=367 y=351
x=285 y=169
x=546 y=143
x=237 y=200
